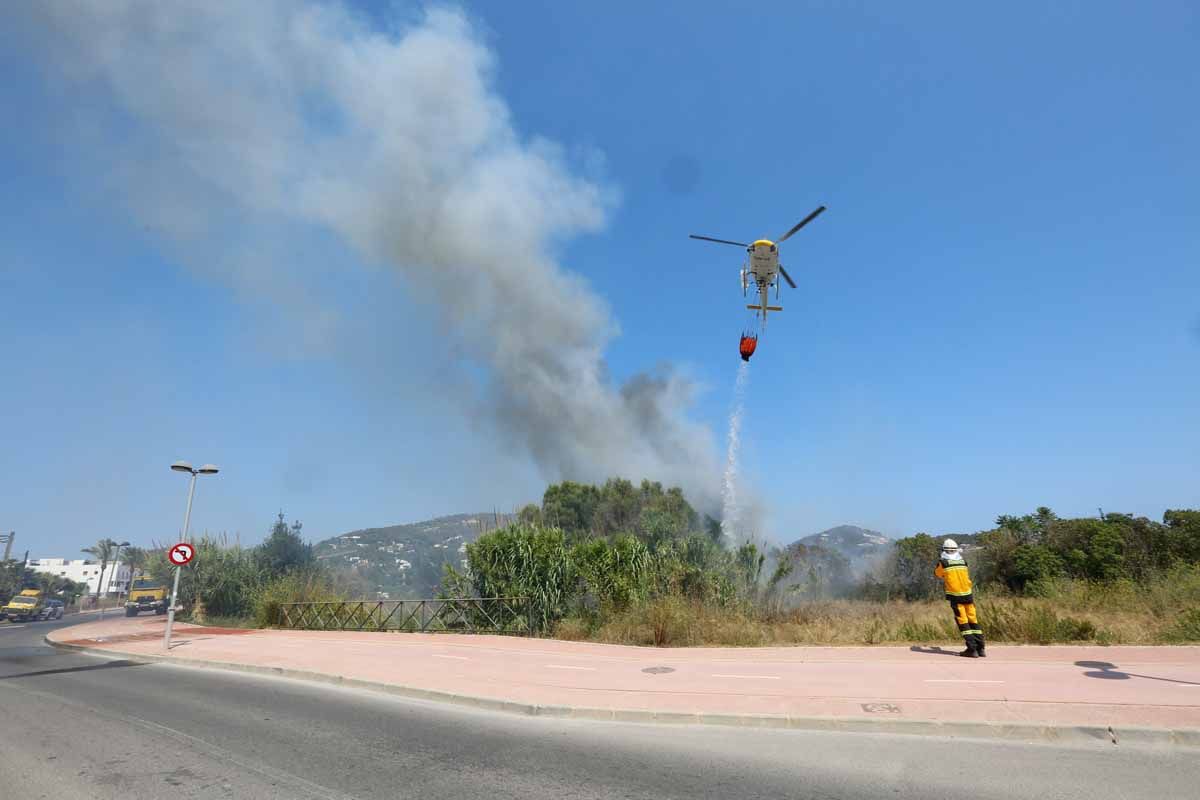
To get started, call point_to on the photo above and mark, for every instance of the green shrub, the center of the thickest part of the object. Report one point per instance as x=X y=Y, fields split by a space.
x=662 y=622
x=669 y=619
x=616 y=573
x=1177 y=588
x=1033 y=563
x=574 y=629
x=297 y=587
x=1033 y=623
x=1186 y=627
x=525 y=561
x=1070 y=629
x=912 y=630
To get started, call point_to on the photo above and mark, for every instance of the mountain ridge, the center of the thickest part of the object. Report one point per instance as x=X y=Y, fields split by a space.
x=858 y=545
x=406 y=560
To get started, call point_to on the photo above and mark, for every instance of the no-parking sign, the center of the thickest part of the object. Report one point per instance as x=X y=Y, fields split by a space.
x=181 y=554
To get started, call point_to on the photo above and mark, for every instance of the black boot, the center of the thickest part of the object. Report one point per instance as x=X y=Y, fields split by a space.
x=969 y=652
x=979 y=645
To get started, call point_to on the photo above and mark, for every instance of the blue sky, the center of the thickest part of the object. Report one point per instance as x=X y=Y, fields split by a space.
x=1000 y=310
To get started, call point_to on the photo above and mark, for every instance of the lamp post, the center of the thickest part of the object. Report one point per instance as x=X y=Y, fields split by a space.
x=116 y=566
x=184 y=466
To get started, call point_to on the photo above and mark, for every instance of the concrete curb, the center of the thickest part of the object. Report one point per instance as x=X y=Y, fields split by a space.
x=1063 y=734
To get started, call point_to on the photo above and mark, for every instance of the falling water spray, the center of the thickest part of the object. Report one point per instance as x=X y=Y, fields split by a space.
x=730 y=509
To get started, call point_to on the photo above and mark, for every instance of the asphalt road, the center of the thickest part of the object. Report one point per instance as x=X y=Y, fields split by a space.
x=77 y=725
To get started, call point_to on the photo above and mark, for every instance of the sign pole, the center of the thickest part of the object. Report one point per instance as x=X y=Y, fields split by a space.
x=180 y=555
x=171 y=611
x=187 y=520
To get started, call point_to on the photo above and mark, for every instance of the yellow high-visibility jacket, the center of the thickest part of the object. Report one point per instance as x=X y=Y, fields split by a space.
x=955 y=577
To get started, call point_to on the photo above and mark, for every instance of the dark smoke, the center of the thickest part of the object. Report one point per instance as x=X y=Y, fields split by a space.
x=240 y=121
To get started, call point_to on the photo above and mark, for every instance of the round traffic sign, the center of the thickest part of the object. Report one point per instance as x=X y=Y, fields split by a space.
x=181 y=554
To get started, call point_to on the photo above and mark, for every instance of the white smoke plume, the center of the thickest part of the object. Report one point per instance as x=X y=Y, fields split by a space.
x=240 y=121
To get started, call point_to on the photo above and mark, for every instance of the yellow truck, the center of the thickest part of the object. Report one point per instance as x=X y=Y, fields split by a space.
x=146 y=594
x=25 y=606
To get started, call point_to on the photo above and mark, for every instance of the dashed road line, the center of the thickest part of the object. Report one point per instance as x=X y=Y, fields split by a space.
x=456 y=658
x=957 y=680
x=565 y=666
x=748 y=677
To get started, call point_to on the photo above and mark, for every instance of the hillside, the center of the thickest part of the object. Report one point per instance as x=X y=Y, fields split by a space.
x=858 y=545
x=405 y=561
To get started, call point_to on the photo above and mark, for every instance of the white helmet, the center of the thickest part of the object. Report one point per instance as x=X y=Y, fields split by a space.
x=949 y=545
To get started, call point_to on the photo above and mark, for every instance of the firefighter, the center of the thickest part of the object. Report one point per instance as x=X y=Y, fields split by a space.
x=952 y=569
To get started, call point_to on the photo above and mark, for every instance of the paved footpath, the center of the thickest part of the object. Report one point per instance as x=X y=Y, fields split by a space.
x=1025 y=690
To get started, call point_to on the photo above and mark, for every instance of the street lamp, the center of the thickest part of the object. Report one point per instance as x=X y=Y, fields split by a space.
x=184 y=466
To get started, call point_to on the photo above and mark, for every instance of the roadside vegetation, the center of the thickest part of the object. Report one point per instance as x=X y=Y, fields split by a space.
x=636 y=564
x=229 y=585
x=1074 y=612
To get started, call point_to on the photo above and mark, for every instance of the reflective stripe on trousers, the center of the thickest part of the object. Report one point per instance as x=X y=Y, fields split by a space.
x=968 y=621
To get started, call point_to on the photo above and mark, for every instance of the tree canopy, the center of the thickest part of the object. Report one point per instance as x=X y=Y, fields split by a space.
x=284 y=550
x=1023 y=553
x=653 y=514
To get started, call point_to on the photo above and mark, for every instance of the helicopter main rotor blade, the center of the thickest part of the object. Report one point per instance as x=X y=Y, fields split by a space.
x=719 y=241
x=801 y=224
x=787 y=277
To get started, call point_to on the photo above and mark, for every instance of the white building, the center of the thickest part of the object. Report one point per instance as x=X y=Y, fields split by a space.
x=116 y=574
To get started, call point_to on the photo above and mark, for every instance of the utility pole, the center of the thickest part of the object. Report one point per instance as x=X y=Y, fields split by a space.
x=183 y=466
x=187 y=521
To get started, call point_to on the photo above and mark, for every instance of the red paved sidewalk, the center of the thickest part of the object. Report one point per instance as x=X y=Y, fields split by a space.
x=1122 y=687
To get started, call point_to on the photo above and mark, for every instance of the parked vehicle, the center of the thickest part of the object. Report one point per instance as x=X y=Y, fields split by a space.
x=25 y=606
x=146 y=594
x=52 y=610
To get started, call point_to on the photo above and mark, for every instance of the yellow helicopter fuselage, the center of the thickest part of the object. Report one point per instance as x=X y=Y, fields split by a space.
x=763 y=269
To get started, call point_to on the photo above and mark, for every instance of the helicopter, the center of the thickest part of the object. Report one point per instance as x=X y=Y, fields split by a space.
x=763 y=267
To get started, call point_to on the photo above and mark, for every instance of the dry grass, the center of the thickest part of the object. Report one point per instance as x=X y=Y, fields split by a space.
x=673 y=622
x=1166 y=611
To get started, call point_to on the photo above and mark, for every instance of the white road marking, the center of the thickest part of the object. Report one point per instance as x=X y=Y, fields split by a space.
x=955 y=680
x=564 y=666
x=456 y=658
x=748 y=677
x=10 y=627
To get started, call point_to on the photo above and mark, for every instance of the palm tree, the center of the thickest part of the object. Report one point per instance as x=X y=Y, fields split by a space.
x=136 y=558
x=68 y=589
x=103 y=550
